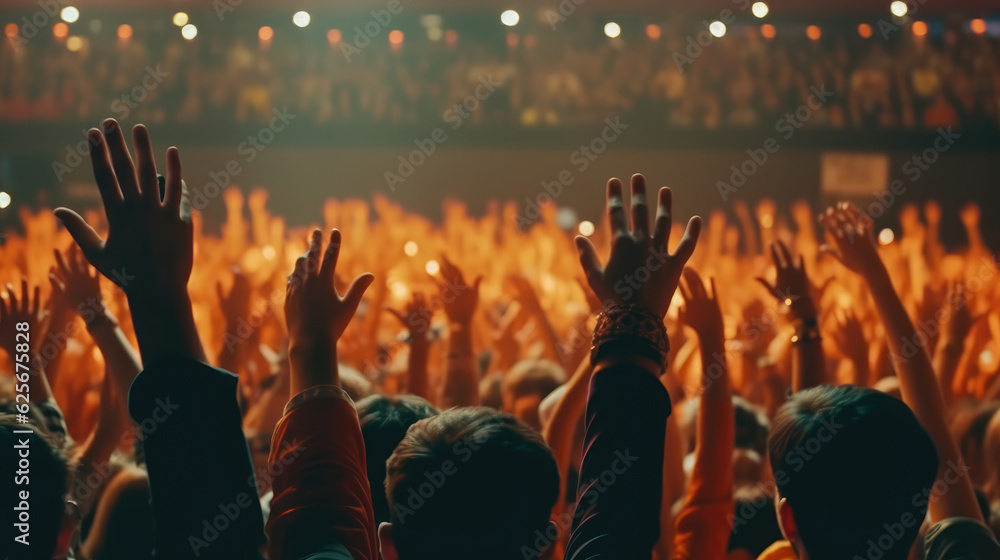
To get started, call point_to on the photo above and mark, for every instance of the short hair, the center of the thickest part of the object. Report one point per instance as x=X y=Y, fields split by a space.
x=856 y=466
x=531 y=380
x=46 y=482
x=470 y=483
x=384 y=421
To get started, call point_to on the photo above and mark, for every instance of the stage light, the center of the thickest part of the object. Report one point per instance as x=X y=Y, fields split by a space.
x=410 y=248
x=653 y=31
x=717 y=28
x=125 y=31
x=510 y=18
x=865 y=30
x=69 y=14
x=60 y=30
x=612 y=29
x=180 y=19
x=10 y=30
x=189 y=31
x=4 y=200
x=301 y=19
x=333 y=36
x=886 y=236
x=898 y=8
x=768 y=31
x=759 y=9
x=265 y=33
x=586 y=228
x=919 y=28
x=978 y=26
x=432 y=267
x=434 y=33
x=396 y=37
x=814 y=32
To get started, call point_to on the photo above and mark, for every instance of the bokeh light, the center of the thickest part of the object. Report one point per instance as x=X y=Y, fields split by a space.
x=759 y=9
x=653 y=31
x=717 y=28
x=60 y=30
x=4 y=200
x=586 y=228
x=432 y=267
x=410 y=248
x=510 y=18
x=189 y=31
x=612 y=29
x=886 y=236
x=768 y=31
x=333 y=36
x=865 y=31
x=180 y=19
x=265 y=33
x=898 y=8
x=301 y=18
x=814 y=32
x=69 y=14
x=125 y=31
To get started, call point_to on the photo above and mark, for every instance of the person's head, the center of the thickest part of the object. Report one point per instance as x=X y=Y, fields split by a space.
x=852 y=467
x=35 y=474
x=468 y=483
x=526 y=384
x=755 y=526
x=384 y=421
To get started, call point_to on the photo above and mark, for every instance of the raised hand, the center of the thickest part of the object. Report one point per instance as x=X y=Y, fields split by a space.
x=853 y=243
x=957 y=316
x=416 y=317
x=14 y=312
x=640 y=270
x=235 y=304
x=791 y=285
x=458 y=296
x=149 y=244
x=701 y=311
x=75 y=285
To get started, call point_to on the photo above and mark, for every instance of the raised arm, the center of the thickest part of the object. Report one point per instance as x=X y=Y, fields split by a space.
x=792 y=289
x=853 y=244
x=461 y=378
x=416 y=319
x=628 y=406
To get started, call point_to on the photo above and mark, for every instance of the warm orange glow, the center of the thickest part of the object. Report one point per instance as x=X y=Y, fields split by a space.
x=865 y=30
x=265 y=33
x=512 y=39
x=919 y=28
x=124 y=31
x=653 y=31
x=451 y=37
x=60 y=30
x=768 y=31
x=333 y=36
x=10 y=30
x=396 y=37
x=813 y=32
x=978 y=26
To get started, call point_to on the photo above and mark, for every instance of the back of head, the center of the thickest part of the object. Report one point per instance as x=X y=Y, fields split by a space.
x=34 y=488
x=856 y=468
x=384 y=421
x=526 y=385
x=469 y=483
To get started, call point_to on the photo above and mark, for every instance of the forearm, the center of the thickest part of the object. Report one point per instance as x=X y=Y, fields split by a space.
x=715 y=436
x=52 y=363
x=461 y=383
x=232 y=355
x=164 y=326
x=417 y=366
x=561 y=428
x=312 y=364
x=121 y=360
x=947 y=356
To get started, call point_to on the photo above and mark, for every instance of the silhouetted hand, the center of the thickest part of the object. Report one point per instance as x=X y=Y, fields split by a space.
x=74 y=284
x=791 y=283
x=701 y=310
x=458 y=296
x=26 y=312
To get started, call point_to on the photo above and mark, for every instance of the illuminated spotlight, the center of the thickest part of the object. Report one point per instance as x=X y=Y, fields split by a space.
x=4 y=200
x=653 y=31
x=189 y=31
x=396 y=37
x=69 y=14
x=268 y=252
x=333 y=36
x=612 y=29
x=125 y=31
x=814 y=32
x=410 y=248
x=512 y=40
x=886 y=236
x=434 y=33
x=586 y=228
x=978 y=26
x=898 y=8
x=510 y=18
x=301 y=19
x=451 y=37
x=180 y=19
x=265 y=33
x=865 y=31
x=717 y=28
x=432 y=267
x=759 y=9
x=60 y=30
x=10 y=30
x=919 y=28
x=768 y=31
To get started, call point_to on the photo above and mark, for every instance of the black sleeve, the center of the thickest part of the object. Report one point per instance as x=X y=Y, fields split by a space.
x=202 y=487
x=960 y=538
x=617 y=512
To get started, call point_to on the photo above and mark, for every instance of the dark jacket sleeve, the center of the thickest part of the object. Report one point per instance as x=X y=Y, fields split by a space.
x=617 y=512
x=202 y=488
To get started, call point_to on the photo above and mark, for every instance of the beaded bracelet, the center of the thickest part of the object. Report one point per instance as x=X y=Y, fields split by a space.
x=631 y=328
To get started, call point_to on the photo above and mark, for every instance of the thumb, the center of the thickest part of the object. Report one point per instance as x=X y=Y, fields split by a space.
x=86 y=238
x=357 y=290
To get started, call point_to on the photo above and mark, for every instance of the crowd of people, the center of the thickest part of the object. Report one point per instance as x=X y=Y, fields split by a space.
x=684 y=78
x=386 y=387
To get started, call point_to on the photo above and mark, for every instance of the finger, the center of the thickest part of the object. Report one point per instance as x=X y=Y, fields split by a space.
x=589 y=262
x=121 y=160
x=36 y=301
x=173 y=190
x=689 y=240
x=711 y=282
x=640 y=210
x=12 y=297
x=661 y=227
x=695 y=285
x=451 y=272
x=57 y=284
x=475 y=284
x=61 y=265
x=786 y=256
x=25 y=300
x=3 y=306
x=312 y=254
x=357 y=291
x=145 y=165
x=767 y=286
x=90 y=243
x=776 y=257
x=616 y=208
x=685 y=289
x=219 y=293
x=331 y=255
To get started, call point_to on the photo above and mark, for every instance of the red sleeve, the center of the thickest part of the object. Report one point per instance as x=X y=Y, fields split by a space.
x=322 y=501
